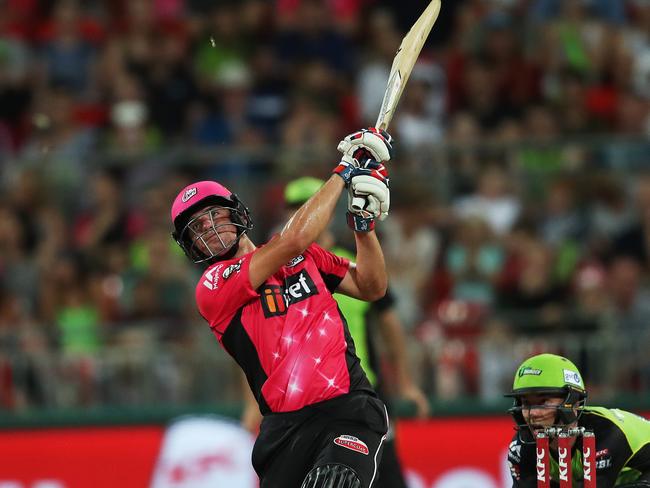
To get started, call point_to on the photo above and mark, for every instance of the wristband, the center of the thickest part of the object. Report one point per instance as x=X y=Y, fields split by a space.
x=360 y=224
x=346 y=171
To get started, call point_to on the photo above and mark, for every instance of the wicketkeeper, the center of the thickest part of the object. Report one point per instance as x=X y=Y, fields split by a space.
x=548 y=391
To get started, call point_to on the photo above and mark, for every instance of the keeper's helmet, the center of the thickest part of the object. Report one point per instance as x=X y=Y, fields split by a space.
x=193 y=238
x=548 y=374
x=300 y=190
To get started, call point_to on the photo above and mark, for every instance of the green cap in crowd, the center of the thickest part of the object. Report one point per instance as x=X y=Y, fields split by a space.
x=300 y=190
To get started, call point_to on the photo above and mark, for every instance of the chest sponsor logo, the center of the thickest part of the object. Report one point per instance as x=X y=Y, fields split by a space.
x=276 y=299
x=603 y=462
x=352 y=443
x=295 y=261
x=211 y=277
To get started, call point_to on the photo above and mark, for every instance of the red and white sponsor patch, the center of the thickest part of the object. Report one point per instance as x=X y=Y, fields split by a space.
x=352 y=443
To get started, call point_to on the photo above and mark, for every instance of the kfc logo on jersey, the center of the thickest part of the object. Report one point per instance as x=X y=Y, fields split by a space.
x=233 y=268
x=352 y=443
x=295 y=261
x=212 y=278
x=276 y=299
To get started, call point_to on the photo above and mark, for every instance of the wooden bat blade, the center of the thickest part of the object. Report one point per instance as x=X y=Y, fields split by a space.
x=404 y=60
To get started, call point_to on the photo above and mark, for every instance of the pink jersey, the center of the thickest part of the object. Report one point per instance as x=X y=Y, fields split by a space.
x=288 y=336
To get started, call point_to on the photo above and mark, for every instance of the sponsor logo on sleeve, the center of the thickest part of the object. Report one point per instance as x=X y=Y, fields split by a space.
x=353 y=443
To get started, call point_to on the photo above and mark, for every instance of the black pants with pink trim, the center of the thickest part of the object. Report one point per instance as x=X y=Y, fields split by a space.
x=348 y=430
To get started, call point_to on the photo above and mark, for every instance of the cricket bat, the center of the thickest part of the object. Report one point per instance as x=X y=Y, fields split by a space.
x=403 y=63
x=404 y=60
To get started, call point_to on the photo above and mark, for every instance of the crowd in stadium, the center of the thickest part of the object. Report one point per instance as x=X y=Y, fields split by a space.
x=521 y=197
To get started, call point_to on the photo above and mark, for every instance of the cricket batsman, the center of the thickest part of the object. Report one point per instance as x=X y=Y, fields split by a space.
x=271 y=308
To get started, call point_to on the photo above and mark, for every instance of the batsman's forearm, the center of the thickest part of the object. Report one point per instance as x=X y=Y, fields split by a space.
x=370 y=265
x=313 y=217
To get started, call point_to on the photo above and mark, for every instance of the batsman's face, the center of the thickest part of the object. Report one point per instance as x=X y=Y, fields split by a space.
x=212 y=231
x=540 y=411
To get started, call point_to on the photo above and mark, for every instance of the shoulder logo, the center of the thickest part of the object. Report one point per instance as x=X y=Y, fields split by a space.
x=352 y=443
x=297 y=260
x=233 y=268
x=529 y=371
x=189 y=193
x=211 y=280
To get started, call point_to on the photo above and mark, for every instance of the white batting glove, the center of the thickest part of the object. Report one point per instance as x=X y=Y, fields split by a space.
x=366 y=144
x=369 y=197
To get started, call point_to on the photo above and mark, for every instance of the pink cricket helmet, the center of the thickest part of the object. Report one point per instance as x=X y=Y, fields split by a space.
x=197 y=196
x=195 y=193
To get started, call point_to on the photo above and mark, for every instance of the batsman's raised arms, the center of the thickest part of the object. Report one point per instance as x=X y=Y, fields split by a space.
x=403 y=63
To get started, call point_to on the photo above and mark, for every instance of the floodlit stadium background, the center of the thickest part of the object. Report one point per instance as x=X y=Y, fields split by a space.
x=520 y=220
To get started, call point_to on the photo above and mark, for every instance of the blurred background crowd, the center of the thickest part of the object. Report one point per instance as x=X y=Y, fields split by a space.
x=520 y=220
